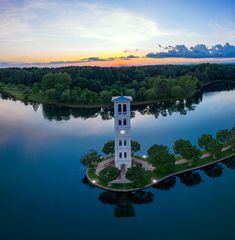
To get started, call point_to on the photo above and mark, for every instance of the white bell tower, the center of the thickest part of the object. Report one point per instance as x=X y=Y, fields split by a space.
x=122 y=115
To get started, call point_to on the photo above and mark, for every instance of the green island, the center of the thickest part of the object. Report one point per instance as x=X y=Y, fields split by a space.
x=187 y=157
x=94 y=86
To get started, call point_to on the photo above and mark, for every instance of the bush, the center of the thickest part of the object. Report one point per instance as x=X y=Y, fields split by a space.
x=109 y=174
x=90 y=158
x=138 y=175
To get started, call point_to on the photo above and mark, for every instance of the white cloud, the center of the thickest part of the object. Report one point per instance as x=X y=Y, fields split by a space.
x=44 y=20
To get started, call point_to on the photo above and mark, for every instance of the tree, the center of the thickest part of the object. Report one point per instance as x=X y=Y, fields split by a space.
x=177 y=92
x=135 y=146
x=65 y=96
x=222 y=136
x=204 y=140
x=90 y=158
x=138 y=174
x=52 y=94
x=109 y=174
x=186 y=150
x=161 y=158
x=211 y=145
x=214 y=147
x=231 y=137
x=105 y=96
x=35 y=88
x=49 y=80
x=108 y=147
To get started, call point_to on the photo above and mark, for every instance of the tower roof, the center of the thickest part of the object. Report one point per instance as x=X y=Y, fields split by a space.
x=122 y=99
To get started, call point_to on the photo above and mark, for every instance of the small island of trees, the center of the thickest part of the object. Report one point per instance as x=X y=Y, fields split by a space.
x=186 y=157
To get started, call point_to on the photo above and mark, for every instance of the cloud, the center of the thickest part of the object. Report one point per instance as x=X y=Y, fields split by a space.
x=198 y=51
x=79 y=19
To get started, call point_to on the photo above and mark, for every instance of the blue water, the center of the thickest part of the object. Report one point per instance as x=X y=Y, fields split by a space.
x=43 y=195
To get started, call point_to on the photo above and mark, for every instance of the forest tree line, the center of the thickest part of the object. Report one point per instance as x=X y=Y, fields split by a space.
x=89 y=85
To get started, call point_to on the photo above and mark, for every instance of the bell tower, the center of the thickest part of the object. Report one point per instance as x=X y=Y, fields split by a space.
x=122 y=115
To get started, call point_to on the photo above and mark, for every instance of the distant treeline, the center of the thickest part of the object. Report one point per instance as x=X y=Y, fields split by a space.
x=97 y=84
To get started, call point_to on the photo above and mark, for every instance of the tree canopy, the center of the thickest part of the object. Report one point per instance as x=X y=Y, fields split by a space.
x=92 y=85
x=161 y=158
x=186 y=149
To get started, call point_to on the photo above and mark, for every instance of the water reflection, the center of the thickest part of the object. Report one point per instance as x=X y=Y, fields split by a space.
x=230 y=163
x=123 y=202
x=53 y=112
x=58 y=113
x=190 y=179
x=166 y=184
x=214 y=170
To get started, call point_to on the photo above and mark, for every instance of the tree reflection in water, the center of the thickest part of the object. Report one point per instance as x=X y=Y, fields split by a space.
x=166 y=184
x=214 y=170
x=190 y=178
x=58 y=113
x=123 y=202
x=229 y=163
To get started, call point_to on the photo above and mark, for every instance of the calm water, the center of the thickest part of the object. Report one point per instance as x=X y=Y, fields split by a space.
x=43 y=193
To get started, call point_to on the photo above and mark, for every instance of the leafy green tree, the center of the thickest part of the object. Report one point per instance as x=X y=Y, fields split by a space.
x=129 y=92
x=222 y=136
x=61 y=87
x=49 y=80
x=35 y=88
x=74 y=96
x=231 y=137
x=109 y=174
x=161 y=87
x=186 y=150
x=161 y=158
x=204 y=140
x=135 y=146
x=90 y=158
x=214 y=147
x=108 y=147
x=177 y=92
x=52 y=94
x=105 y=96
x=138 y=174
x=65 y=96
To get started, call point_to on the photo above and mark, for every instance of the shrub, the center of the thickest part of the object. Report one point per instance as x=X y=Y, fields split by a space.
x=109 y=173
x=138 y=174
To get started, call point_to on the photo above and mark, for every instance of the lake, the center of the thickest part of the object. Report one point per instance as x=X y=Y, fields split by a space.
x=44 y=195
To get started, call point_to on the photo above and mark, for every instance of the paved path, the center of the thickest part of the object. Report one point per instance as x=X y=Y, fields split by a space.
x=147 y=166
x=205 y=155
x=104 y=164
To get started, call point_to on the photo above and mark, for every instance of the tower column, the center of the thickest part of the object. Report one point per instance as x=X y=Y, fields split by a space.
x=122 y=126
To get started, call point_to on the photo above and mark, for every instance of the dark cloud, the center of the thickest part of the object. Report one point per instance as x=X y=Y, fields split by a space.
x=128 y=57
x=198 y=51
x=92 y=59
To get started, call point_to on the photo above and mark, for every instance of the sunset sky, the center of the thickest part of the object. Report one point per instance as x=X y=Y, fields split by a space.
x=113 y=33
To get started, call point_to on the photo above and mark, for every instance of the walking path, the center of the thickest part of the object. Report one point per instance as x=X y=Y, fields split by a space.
x=205 y=155
x=104 y=164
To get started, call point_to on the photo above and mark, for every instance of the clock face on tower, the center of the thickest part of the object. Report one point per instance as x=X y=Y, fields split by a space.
x=122 y=132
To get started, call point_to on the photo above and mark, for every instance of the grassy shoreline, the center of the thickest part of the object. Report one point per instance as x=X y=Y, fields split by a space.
x=17 y=94
x=182 y=168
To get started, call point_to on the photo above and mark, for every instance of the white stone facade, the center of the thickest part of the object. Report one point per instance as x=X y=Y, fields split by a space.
x=122 y=115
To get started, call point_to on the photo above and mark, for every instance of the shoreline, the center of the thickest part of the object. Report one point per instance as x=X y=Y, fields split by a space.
x=161 y=179
x=103 y=105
